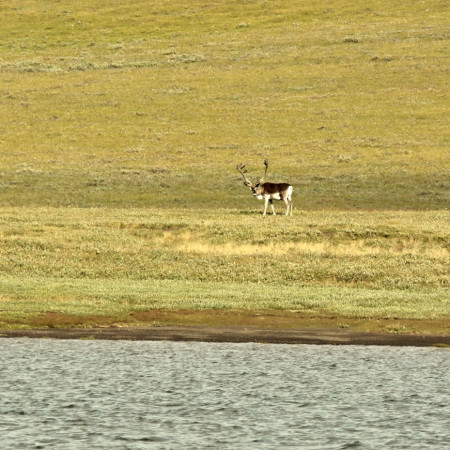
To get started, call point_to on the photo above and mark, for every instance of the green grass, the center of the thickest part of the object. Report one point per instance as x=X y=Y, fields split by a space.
x=122 y=123
x=125 y=104
x=107 y=264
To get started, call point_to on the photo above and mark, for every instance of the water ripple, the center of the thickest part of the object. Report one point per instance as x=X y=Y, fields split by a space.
x=135 y=395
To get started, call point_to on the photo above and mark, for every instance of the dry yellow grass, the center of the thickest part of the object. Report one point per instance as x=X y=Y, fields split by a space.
x=189 y=243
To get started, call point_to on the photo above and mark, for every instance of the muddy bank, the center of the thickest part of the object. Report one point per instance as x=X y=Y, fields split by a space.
x=236 y=334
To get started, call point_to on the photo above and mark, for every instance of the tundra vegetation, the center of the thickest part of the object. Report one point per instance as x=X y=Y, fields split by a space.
x=121 y=127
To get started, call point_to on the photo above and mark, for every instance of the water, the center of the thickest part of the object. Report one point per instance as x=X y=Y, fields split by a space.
x=139 y=395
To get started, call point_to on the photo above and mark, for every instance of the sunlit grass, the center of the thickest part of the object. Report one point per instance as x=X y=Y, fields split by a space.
x=117 y=299
x=112 y=104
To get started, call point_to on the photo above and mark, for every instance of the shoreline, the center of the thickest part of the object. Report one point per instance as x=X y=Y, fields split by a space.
x=236 y=334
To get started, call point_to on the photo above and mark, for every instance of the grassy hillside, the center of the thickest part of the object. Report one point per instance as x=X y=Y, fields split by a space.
x=127 y=103
x=121 y=126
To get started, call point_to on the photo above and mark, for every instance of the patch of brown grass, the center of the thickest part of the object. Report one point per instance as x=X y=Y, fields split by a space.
x=285 y=320
x=52 y=319
x=263 y=319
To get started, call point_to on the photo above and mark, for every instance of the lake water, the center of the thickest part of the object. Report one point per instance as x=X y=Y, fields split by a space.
x=135 y=395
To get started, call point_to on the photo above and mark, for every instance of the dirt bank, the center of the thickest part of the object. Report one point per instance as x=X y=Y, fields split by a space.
x=236 y=334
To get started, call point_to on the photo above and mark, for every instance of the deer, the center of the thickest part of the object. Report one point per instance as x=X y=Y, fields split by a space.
x=268 y=191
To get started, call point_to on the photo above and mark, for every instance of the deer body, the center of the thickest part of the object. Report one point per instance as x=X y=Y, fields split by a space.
x=269 y=191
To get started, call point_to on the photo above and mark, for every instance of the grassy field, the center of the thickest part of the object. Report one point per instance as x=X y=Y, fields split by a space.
x=104 y=266
x=121 y=126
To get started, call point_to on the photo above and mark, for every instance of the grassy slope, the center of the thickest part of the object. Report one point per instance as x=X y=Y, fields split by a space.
x=123 y=104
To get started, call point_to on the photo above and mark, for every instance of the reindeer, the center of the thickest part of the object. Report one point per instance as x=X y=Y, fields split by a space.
x=268 y=191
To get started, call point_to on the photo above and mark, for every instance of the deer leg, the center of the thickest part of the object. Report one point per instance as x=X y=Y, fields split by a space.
x=266 y=201
x=288 y=201
x=289 y=206
x=273 y=209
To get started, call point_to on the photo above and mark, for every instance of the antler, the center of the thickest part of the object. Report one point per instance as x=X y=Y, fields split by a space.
x=266 y=163
x=240 y=168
